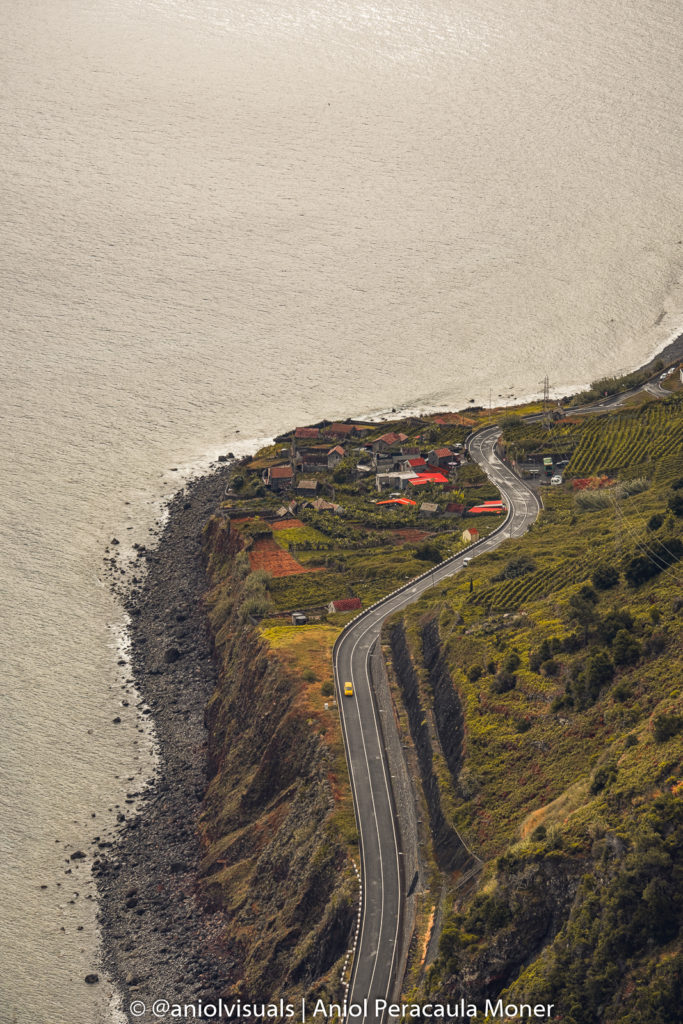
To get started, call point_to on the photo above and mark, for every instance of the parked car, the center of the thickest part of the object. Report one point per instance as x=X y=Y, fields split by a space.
x=555 y=480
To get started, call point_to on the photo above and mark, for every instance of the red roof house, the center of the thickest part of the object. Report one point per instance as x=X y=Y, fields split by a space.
x=334 y=456
x=278 y=478
x=387 y=441
x=491 y=507
x=440 y=457
x=397 y=501
x=428 y=478
x=341 y=429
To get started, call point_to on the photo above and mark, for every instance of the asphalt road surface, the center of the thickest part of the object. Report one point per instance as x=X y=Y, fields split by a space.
x=377 y=955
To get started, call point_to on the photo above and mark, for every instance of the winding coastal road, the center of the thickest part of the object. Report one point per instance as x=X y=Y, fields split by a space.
x=365 y=725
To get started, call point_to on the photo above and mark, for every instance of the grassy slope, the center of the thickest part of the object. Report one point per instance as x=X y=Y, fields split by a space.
x=557 y=779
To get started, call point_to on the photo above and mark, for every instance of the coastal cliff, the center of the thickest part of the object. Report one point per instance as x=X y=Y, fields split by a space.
x=274 y=862
x=233 y=878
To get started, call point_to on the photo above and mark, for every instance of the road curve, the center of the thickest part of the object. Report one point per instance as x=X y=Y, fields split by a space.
x=377 y=953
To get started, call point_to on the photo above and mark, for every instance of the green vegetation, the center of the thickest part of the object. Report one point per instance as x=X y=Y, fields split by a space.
x=566 y=659
x=615 y=385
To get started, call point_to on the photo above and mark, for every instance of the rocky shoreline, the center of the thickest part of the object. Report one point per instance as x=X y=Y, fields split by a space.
x=669 y=354
x=158 y=942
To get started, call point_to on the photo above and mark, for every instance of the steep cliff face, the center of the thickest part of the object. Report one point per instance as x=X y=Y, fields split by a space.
x=506 y=929
x=448 y=714
x=274 y=862
x=449 y=850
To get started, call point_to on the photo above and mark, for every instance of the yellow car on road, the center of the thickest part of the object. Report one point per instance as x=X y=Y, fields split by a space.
x=348 y=689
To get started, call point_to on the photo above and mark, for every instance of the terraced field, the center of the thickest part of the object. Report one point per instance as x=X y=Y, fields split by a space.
x=634 y=437
x=266 y=554
x=512 y=593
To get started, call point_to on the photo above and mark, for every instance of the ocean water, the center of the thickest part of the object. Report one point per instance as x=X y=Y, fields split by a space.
x=221 y=219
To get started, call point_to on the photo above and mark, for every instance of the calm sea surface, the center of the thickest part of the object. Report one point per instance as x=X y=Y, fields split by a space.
x=222 y=218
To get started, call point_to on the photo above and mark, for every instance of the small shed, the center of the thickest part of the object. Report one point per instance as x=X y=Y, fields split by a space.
x=321 y=505
x=429 y=508
x=470 y=535
x=299 y=619
x=307 y=487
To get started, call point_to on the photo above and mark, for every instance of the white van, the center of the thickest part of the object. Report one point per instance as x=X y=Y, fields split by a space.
x=466 y=561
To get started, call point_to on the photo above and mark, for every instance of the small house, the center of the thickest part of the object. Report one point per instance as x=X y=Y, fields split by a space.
x=312 y=461
x=470 y=535
x=420 y=479
x=487 y=508
x=334 y=456
x=299 y=619
x=394 y=479
x=440 y=457
x=454 y=508
x=344 y=604
x=428 y=508
x=341 y=429
x=388 y=441
x=279 y=478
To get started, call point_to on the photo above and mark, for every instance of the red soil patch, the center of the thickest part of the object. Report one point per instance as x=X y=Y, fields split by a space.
x=592 y=483
x=267 y=554
x=287 y=524
x=410 y=535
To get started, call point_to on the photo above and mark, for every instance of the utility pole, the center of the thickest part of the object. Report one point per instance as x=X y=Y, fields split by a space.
x=546 y=400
